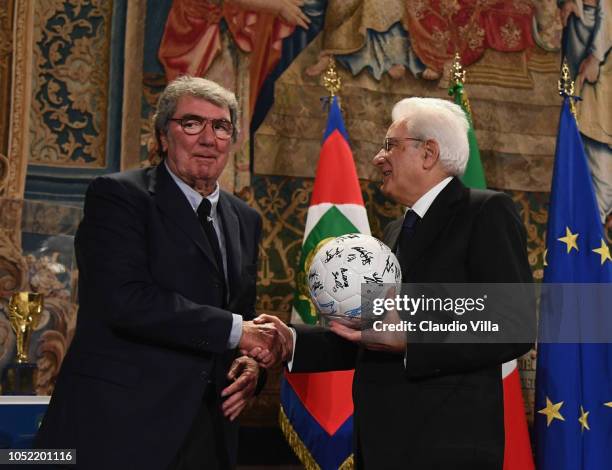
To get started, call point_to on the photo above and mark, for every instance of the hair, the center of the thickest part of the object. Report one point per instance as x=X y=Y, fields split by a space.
x=187 y=85
x=439 y=120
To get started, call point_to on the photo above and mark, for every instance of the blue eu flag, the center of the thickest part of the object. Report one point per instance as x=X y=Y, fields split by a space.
x=573 y=409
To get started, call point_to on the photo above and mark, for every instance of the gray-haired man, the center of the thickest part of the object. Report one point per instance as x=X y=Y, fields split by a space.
x=167 y=269
x=428 y=405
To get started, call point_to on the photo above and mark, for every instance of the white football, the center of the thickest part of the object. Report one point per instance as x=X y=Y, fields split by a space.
x=340 y=267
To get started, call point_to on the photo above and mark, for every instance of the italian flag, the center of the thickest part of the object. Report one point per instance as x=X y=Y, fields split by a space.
x=517 y=448
x=317 y=409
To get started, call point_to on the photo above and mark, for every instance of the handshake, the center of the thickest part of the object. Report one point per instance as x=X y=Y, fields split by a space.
x=267 y=340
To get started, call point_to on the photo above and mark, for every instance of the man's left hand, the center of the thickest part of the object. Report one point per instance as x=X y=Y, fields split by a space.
x=387 y=341
x=244 y=372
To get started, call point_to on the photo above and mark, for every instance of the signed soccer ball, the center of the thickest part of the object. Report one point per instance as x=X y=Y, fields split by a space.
x=342 y=265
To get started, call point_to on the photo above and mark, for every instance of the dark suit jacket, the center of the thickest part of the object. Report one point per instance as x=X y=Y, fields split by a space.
x=153 y=326
x=444 y=409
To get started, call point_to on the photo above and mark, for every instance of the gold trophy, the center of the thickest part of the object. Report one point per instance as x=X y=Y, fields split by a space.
x=24 y=314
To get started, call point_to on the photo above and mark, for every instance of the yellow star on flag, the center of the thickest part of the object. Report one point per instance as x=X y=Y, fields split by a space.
x=584 y=415
x=604 y=252
x=569 y=239
x=609 y=404
x=545 y=262
x=552 y=411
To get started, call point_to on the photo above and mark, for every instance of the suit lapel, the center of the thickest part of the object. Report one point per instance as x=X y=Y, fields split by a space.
x=231 y=229
x=173 y=203
x=392 y=236
x=436 y=218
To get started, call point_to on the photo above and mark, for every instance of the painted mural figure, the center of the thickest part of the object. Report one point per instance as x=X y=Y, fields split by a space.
x=368 y=34
x=587 y=39
x=192 y=35
x=421 y=36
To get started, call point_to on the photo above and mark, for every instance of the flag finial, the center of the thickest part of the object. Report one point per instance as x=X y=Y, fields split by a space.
x=457 y=74
x=455 y=85
x=566 y=86
x=331 y=80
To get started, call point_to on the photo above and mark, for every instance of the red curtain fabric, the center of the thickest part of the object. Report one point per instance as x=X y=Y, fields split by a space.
x=191 y=39
x=439 y=28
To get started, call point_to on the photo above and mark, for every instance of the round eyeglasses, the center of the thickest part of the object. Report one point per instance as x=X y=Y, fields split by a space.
x=194 y=125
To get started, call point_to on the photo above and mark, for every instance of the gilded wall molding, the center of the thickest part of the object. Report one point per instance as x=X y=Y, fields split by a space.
x=132 y=84
x=4 y=171
x=21 y=99
x=6 y=50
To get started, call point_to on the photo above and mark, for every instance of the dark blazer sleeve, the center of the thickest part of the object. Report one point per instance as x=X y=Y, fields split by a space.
x=497 y=253
x=249 y=298
x=317 y=349
x=113 y=254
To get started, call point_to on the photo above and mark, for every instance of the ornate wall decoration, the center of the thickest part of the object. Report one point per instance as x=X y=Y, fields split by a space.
x=70 y=77
x=13 y=269
x=50 y=219
x=7 y=342
x=4 y=172
x=533 y=208
x=10 y=219
x=50 y=276
x=6 y=48
x=153 y=85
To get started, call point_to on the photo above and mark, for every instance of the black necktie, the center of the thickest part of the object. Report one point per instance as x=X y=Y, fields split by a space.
x=207 y=224
x=408 y=228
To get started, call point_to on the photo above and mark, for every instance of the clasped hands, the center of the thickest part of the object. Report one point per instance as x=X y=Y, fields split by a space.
x=270 y=341
x=266 y=339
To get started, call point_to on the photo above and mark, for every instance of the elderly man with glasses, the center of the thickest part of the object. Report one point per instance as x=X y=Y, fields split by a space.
x=432 y=405
x=167 y=270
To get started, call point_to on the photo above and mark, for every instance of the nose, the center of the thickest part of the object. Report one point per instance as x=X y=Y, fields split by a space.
x=207 y=136
x=379 y=158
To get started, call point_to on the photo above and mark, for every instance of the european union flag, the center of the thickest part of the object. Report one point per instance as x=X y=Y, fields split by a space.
x=573 y=409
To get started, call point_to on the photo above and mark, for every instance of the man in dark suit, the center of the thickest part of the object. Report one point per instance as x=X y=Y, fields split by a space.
x=428 y=405
x=167 y=270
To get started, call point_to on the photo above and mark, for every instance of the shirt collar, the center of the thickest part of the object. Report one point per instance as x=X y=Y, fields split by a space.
x=193 y=197
x=426 y=200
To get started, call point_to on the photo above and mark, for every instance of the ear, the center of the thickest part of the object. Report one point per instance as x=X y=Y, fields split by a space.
x=163 y=140
x=432 y=154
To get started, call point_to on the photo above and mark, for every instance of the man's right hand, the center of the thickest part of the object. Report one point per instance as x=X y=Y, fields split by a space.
x=268 y=358
x=262 y=336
